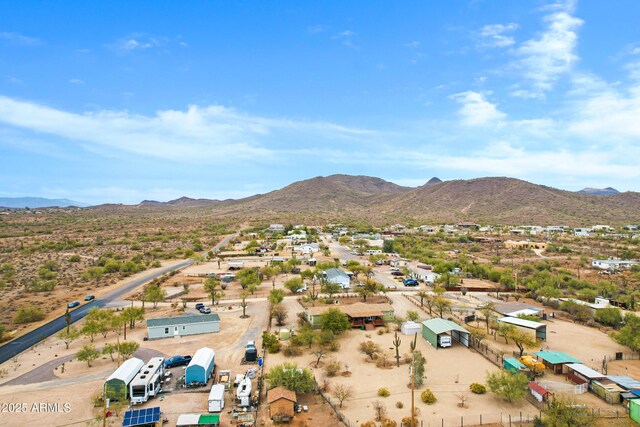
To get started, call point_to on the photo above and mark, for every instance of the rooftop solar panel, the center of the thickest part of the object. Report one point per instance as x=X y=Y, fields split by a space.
x=137 y=417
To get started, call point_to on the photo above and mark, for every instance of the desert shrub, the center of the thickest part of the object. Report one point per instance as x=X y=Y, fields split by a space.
x=410 y=422
x=368 y=424
x=74 y=258
x=271 y=342
x=382 y=331
x=332 y=367
x=387 y=422
x=477 y=388
x=383 y=392
x=333 y=346
x=291 y=351
x=428 y=397
x=399 y=405
x=28 y=315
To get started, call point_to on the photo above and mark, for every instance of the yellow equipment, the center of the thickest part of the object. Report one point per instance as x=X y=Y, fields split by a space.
x=532 y=364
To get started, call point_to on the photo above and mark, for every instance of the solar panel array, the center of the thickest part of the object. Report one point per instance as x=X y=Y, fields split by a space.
x=138 y=417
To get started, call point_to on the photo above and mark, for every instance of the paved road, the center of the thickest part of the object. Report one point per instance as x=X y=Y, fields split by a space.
x=29 y=339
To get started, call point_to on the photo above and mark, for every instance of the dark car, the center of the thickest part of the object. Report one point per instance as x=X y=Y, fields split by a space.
x=396 y=273
x=89 y=298
x=174 y=361
x=410 y=282
x=199 y=306
x=73 y=304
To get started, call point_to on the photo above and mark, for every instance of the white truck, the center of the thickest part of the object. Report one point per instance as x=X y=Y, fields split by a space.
x=444 y=341
x=216 y=398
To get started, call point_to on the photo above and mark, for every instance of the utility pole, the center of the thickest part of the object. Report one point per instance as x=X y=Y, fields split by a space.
x=106 y=405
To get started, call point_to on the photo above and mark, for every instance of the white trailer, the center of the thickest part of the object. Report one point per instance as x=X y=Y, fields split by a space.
x=244 y=391
x=216 y=398
x=148 y=382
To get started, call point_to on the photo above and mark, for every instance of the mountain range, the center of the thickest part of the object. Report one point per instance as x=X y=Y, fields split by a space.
x=494 y=200
x=37 y=202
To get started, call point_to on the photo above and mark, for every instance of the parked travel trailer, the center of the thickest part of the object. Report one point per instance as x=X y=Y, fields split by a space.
x=216 y=398
x=244 y=391
x=117 y=385
x=148 y=382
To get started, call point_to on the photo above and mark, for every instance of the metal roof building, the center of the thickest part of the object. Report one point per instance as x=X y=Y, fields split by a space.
x=117 y=385
x=201 y=366
x=177 y=326
x=537 y=328
x=555 y=360
x=433 y=327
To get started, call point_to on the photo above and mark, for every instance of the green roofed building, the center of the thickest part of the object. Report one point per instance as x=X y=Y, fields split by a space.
x=177 y=326
x=117 y=385
x=513 y=365
x=198 y=420
x=556 y=360
x=439 y=333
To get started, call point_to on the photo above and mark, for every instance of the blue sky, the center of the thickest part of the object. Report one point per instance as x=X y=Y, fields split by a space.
x=159 y=99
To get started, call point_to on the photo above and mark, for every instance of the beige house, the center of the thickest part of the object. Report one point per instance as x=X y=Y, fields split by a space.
x=282 y=403
x=360 y=314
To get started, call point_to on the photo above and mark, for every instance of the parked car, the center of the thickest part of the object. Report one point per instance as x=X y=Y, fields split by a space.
x=89 y=298
x=73 y=304
x=174 y=361
x=302 y=289
x=396 y=273
x=410 y=282
x=204 y=310
x=199 y=305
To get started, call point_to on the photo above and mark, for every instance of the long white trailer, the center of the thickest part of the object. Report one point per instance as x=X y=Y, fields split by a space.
x=148 y=382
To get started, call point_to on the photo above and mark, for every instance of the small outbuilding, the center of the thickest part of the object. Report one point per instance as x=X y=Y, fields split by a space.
x=634 y=410
x=201 y=367
x=537 y=329
x=198 y=420
x=434 y=329
x=177 y=326
x=582 y=374
x=513 y=365
x=117 y=385
x=515 y=309
x=410 y=328
x=556 y=360
x=282 y=403
x=339 y=277
x=540 y=393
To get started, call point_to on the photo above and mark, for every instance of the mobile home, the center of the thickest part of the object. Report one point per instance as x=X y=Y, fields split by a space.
x=148 y=382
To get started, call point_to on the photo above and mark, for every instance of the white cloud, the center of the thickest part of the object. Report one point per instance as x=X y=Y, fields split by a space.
x=136 y=42
x=476 y=110
x=494 y=35
x=76 y=81
x=412 y=44
x=197 y=135
x=19 y=39
x=544 y=59
x=346 y=37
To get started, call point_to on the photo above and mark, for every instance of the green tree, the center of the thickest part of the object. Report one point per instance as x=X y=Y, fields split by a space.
x=335 y=321
x=288 y=375
x=564 y=412
x=507 y=385
x=280 y=314
x=609 y=316
x=413 y=315
x=442 y=304
x=629 y=334
x=422 y=295
x=154 y=294
x=110 y=348
x=487 y=311
x=211 y=286
x=90 y=329
x=249 y=278
x=69 y=336
x=369 y=348
x=307 y=335
x=294 y=285
x=369 y=287
x=127 y=348
x=330 y=288
x=88 y=354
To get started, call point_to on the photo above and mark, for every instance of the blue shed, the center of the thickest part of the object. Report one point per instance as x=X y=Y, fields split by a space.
x=201 y=366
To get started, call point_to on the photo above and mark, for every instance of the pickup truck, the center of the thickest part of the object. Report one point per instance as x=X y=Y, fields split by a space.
x=174 y=361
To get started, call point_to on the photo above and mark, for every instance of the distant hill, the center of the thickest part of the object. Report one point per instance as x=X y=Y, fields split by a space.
x=599 y=191
x=434 y=180
x=37 y=202
x=321 y=194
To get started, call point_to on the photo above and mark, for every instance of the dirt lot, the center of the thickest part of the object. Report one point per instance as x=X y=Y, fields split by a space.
x=79 y=383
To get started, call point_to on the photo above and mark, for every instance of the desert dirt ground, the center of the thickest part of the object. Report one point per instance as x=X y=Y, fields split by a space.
x=445 y=380
x=79 y=384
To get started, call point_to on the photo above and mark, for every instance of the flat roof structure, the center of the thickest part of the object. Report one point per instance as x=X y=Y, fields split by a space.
x=626 y=382
x=556 y=357
x=181 y=320
x=441 y=326
x=530 y=324
x=585 y=371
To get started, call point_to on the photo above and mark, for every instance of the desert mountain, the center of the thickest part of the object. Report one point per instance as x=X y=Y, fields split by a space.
x=511 y=201
x=37 y=202
x=322 y=194
x=434 y=180
x=599 y=191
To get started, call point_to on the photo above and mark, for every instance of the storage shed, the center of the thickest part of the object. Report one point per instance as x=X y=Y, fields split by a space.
x=117 y=385
x=177 y=326
x=201 y=366
x=634 y=410
x=282 y=403
x=432 y=328
x=540 y=393
x=410 y=328
x=607 y=390
x=556 y=360
x=513 y=365
x=582 y=374
x=537 y=329
x=198 y=420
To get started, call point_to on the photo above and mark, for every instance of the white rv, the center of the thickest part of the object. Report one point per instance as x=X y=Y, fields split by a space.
x=216 y=398
x=148 y=382
x=244 y=391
